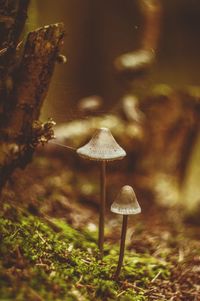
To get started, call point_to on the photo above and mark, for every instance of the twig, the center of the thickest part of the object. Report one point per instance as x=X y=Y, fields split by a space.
x=157 y=275
x=121 y=294
x=79 y=281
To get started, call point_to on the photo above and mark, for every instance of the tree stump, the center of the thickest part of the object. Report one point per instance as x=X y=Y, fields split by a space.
x=24 y=82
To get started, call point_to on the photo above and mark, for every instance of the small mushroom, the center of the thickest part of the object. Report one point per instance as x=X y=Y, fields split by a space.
x=90 y=105
x=102 y=147
x=135 y=63
x=126 y=204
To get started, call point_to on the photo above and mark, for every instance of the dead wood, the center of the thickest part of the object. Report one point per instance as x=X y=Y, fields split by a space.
x=13 y=15
x=20 y=130
x=33 y=78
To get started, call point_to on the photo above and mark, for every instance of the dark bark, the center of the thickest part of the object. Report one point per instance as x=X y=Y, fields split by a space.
x=34 y=75
x=13 y=14
x=24 y=86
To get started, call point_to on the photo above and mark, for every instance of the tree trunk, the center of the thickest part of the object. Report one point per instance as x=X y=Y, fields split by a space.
x=24 y=85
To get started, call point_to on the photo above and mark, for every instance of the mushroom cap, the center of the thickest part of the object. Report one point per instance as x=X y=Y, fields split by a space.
x=126 y=202
x=102 y=147
x=90 y=103
x=135 y=61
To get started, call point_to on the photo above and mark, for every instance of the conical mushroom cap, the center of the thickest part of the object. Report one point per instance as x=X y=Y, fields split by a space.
x=102 y=147
x=126 y=202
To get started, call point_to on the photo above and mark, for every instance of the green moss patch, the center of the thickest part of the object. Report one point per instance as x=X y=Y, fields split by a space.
x=39 y=263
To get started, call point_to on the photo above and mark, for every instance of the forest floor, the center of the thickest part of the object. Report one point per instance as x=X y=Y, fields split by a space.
x=48 y=235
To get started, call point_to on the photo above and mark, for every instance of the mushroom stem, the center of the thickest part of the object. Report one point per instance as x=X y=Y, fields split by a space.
x=102 y=208
x=122 y=245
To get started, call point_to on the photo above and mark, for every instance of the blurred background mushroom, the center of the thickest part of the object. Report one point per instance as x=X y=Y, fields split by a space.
x=90 y=105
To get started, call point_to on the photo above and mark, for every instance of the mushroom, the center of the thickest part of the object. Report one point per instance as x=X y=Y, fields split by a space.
x=126 y=204
x=90 y=105
x=134 y=64
x=102 y=147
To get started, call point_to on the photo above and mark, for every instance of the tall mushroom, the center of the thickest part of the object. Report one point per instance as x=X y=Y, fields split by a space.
x=102 y=147
x=126 y=204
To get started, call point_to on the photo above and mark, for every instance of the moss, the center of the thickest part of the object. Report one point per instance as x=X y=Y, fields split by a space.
x=38 y=263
